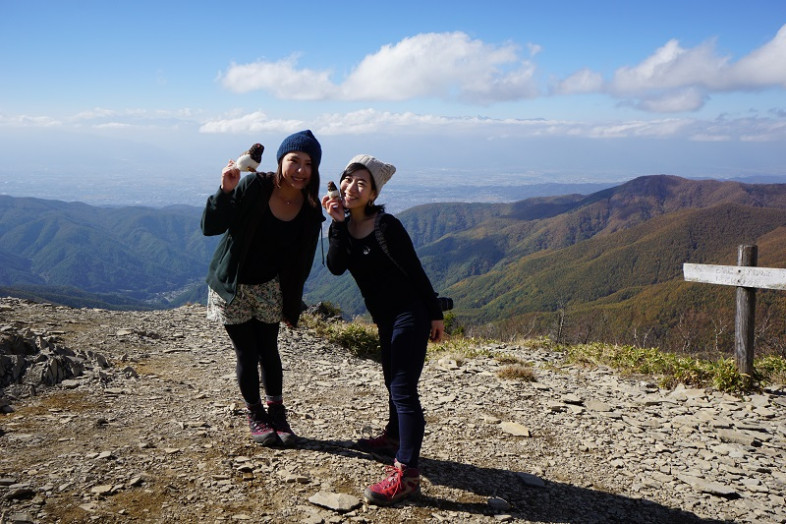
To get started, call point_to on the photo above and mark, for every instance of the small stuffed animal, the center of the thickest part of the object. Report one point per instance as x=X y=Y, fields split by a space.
x=332 y=190
x=249 y=161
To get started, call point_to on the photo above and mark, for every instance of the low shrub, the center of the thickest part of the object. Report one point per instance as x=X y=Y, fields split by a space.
x=671 y=369
x=517 y=372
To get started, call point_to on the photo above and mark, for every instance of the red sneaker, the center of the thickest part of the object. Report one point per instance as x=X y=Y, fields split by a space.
x=401 y=482
x=382 y=445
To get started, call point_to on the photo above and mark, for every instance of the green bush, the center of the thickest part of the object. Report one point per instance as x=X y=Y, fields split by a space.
x=452 y=326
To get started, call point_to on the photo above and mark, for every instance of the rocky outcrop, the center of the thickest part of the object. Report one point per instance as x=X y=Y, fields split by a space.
x=31 y=361
x=152 y=430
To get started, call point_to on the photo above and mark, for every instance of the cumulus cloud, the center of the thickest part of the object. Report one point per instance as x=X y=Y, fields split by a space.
x=282 y=79
x=675 y=79
x=765 y=66
x=453 y=66
x=439 y=65
x=671 y=67
x=444 y=65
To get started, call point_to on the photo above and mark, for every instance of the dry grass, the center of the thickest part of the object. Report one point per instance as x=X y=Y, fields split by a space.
x=517 y=372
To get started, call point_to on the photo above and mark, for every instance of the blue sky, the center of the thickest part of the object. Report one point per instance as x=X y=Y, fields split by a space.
x=112 y=99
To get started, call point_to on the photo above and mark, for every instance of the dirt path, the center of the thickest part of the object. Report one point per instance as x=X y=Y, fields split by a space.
x=159 y=436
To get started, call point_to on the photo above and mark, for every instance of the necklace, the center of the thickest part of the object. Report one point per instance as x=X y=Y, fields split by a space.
x=284 y=199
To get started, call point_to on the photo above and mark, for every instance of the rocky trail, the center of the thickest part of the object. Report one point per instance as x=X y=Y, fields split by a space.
x=135 y=417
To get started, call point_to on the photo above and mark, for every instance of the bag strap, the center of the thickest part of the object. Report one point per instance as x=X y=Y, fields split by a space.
x=383 y=244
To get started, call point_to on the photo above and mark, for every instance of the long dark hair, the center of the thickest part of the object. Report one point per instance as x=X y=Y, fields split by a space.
x=311 y=191
x=371 y=207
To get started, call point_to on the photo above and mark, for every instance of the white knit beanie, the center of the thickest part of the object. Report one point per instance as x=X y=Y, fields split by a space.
x=378 y=169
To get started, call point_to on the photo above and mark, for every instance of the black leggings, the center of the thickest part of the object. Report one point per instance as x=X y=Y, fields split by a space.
x=256 y=344
x=404 y=340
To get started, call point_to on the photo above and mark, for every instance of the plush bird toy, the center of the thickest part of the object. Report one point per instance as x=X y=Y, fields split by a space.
x=249 y=161
x=332 y=190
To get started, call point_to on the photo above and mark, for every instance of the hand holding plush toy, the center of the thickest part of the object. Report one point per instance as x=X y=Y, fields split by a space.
x=250 y=160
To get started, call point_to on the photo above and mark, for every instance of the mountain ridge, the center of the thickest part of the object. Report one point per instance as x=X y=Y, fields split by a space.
x=513 y=266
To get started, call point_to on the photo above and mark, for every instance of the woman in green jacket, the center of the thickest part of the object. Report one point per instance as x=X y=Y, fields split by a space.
x=270 y=224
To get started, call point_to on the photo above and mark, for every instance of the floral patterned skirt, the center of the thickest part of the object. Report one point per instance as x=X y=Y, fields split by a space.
x=260 y=301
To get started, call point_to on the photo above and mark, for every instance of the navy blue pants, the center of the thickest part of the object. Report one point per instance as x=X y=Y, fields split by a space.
x=256 y=345
x=404 y=340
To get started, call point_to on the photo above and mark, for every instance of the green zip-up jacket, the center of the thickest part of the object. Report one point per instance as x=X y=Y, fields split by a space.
x=236 y=215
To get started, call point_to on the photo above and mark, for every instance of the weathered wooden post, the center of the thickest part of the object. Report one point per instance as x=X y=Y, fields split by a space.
x=747 y=278
x=744 y=324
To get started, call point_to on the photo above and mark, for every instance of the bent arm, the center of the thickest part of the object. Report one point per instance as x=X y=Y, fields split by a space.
x=219 y=213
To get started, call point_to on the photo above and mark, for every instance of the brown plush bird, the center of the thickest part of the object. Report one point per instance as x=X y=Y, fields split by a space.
x=250 y=160
x=332 y=190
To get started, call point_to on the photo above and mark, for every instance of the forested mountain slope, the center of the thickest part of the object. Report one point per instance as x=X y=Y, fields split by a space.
x=606 y=262
x=619 y=250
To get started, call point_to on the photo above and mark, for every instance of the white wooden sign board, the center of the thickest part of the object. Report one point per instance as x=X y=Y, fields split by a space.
x=740 y=276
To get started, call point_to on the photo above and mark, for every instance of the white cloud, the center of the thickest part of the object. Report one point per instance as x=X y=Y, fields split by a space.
x=406 y=123
x=534 y=49
x=452 y=66
x=664 y=128
x=113 y=125
x=28 y=121
x=94 y=113
x=674 y=101
x=441 y=65
x=670 y=67
x=446 y=65
x=770 y=128
x=282 y=79
x=765 y=66
x=763 y=130
x=708 y=137
x=110 y=119
x=674 y=79
x=582 y=81
x=251 y=123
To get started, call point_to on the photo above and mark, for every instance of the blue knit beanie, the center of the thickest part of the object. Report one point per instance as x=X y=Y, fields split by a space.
x=301 y=141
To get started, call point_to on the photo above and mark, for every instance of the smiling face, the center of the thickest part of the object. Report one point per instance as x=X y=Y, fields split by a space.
x=296 y=169
x=358 y=189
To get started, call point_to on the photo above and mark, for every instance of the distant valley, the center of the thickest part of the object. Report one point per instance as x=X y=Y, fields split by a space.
x=606 y=265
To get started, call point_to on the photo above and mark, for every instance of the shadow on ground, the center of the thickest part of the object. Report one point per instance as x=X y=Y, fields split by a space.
x=549 y=502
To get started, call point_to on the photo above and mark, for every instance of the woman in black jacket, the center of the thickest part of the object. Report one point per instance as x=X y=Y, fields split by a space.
x=271 y=224
x=378 y=252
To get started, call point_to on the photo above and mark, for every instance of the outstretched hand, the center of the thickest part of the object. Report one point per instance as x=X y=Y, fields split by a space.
x=230 y=176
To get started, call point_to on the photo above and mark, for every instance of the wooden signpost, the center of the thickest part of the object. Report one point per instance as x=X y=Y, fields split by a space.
x=747 y=278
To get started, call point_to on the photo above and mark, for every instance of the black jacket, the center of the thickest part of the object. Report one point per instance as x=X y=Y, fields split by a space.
x=396 y=244
x=236 y=215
